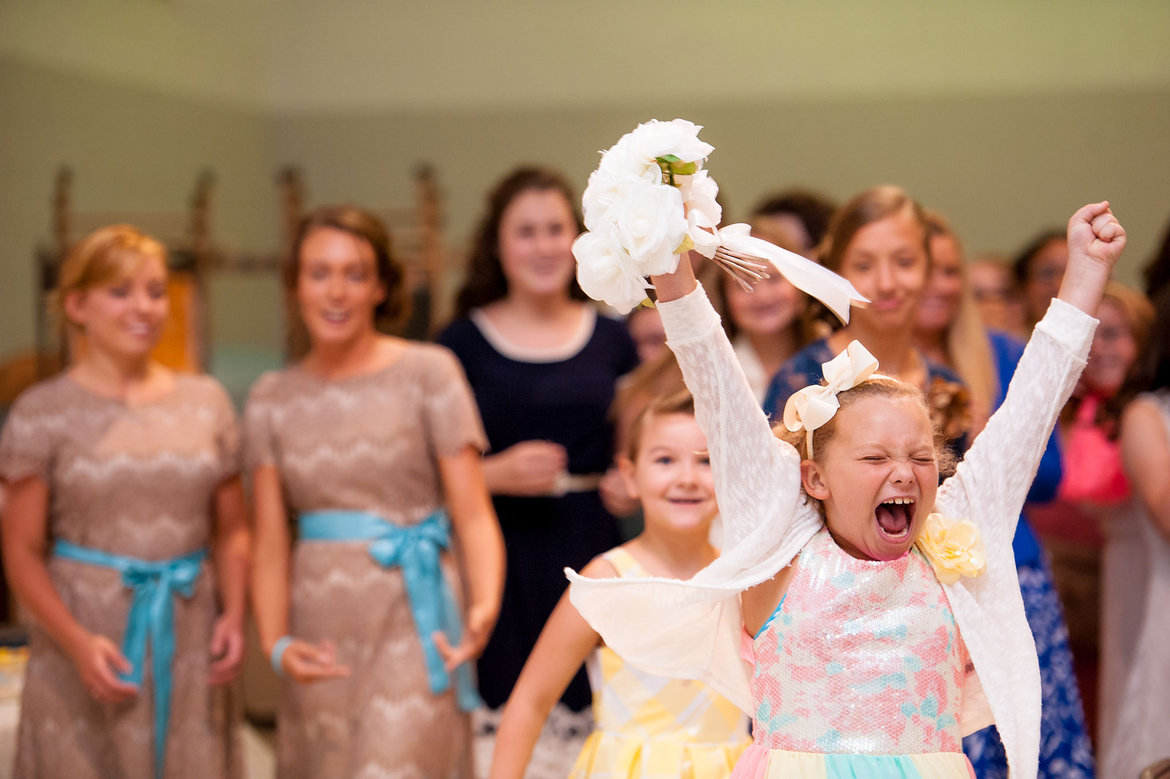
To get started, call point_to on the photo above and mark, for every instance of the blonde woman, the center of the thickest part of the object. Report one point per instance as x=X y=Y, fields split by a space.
x=125 y=538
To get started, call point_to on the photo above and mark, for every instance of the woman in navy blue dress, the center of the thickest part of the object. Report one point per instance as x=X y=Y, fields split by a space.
x=542 y=363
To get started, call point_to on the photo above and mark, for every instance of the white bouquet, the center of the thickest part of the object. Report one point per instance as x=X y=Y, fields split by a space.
x=650 y=201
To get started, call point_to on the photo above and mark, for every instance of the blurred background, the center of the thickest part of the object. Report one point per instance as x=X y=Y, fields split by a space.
x=187 y=116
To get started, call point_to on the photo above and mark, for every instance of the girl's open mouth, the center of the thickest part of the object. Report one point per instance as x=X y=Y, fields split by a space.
x=894 y=517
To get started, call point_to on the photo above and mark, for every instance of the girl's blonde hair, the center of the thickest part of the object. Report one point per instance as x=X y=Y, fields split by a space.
x=967 y=343
x=107 y=255
x=875 y=387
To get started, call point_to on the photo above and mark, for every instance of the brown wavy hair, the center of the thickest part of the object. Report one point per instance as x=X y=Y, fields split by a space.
x=485 y=281
x=812 y=209
x=363 y=225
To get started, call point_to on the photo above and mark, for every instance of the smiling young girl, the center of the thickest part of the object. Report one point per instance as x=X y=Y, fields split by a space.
x=646 y=724
x=882 y=612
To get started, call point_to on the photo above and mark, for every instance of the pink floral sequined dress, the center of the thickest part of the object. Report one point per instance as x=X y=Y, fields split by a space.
x=862 y=663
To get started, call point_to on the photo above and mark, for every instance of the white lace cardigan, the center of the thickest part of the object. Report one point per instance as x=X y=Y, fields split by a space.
x=691 y=629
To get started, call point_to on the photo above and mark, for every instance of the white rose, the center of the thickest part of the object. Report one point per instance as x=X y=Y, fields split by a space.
x=678 y=137
x=703 y=211
x=622 y=161
x=599 y=198
x=605 y=272
x=651 y=226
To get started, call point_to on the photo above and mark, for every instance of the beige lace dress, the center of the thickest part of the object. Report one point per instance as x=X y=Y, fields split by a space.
x=368 y=443
x=137 y=481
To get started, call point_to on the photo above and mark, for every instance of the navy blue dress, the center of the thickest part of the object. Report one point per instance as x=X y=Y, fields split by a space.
x=566 y=402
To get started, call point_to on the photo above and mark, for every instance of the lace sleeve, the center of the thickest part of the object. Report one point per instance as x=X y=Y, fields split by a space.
x=757 y=476
x=991 y=483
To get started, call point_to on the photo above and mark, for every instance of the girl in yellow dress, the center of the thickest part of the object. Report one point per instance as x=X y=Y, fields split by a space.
x=646 y=726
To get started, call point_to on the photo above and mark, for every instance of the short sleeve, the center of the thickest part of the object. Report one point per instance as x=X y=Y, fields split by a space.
x=28 y=440
x=451 y=417
x=259 y=442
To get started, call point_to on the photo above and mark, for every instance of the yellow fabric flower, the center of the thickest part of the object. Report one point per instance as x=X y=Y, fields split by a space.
x=953 y=547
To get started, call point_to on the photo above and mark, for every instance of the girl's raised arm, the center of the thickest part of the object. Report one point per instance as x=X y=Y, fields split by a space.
x=748 y=462
x=993 y=480
x=563 y=645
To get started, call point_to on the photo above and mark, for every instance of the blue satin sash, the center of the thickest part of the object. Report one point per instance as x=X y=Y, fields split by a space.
x=151 y=618
x=415 y=549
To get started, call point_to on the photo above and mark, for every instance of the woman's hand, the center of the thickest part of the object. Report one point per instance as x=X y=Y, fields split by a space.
x=476 y=633
x=99 y=661
x=227 y=650
x=306 y=663
x=529 y=468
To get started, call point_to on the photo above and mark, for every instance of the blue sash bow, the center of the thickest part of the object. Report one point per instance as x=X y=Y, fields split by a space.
x=151 y=618
x=416 y=550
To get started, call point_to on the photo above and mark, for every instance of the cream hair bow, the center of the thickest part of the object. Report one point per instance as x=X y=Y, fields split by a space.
x=816 y=404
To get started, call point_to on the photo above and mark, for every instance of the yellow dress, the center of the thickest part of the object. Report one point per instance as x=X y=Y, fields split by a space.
x=652 y=727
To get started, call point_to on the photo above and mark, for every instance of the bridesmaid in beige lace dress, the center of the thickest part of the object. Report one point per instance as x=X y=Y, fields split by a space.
x=366 y=441
x=125 y=529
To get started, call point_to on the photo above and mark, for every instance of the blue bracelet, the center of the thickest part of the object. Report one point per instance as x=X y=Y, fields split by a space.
x=278 y=653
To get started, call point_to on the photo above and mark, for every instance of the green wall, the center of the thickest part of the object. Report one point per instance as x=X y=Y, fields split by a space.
x=131 y=150
x=1003 y=115
x=1001 y=167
